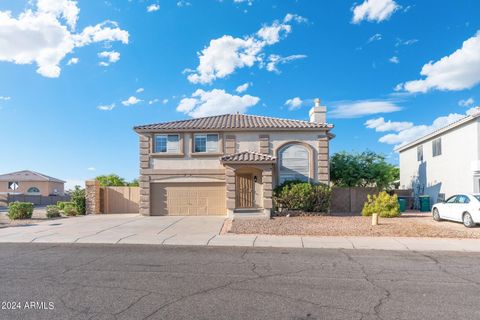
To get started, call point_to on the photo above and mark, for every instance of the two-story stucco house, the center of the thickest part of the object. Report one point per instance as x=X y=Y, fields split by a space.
x=228 y=164
x=444 y=162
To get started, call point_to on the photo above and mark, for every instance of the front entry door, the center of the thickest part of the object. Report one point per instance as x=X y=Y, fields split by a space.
x=245 y=191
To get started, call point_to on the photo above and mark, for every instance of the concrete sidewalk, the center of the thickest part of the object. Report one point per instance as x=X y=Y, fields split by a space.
x=203 y=231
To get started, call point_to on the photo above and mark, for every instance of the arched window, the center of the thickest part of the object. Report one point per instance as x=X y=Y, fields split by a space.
x=33 y=190
x=294 y=163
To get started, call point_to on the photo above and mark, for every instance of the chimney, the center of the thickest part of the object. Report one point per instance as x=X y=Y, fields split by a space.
x=318 y=113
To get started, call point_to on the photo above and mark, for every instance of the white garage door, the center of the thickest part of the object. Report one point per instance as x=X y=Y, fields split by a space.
x=188 y=199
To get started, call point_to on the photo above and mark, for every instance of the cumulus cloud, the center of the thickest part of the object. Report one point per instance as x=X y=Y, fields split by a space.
x=45 y=34
x=274 y=60
x=131 y=101
x=226 y=54
x=458 y=71
x=183 y=3
x=5 y=98
x=208 y=103
x=72 y=61
x=91 y=168
x=466 y=103
x=294 y=103
x=380 y=125
x=153 y=7
x=140 y=90
x=360 y=108
x=374 y=10
x=165 y=101
x=242 y=88
x=106 y=107
x=394 y=60
x=111 y=56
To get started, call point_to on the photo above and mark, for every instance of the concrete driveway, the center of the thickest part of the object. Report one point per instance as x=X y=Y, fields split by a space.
x=124 y=228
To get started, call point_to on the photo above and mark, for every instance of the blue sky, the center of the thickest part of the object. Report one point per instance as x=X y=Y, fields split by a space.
x=76 y=76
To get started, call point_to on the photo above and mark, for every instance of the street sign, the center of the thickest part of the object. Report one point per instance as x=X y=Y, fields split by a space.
x=13 y=185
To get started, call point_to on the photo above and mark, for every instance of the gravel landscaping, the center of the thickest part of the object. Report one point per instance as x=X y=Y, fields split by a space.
x=39 y=214
x=407 y=225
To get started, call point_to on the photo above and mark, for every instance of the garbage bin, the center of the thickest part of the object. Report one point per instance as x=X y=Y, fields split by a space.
x=424 y=203
x=403 y=204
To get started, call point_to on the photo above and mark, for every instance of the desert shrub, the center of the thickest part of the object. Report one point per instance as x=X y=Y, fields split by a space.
x=61 y=204
x=77 y=197
x=53 y=212
x=70 y=210
x=303 y=196
x=20 y=210
x=384 y=204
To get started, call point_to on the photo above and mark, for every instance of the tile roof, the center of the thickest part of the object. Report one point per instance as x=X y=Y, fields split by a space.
x=248 y=156
x=27 y=175
x=233 y=122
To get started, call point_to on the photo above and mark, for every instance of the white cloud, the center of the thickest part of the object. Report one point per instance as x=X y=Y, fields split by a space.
x=5 y=98
x=72 y=61
x=165 y=101
x=153 y=101
x=140 y=90
x=111 y=56
x=394 y=59
x=418 y=131
x=106 y=107
x=249 y=2
x=183 y=3
x=466 y=103
x=355 y=109
x=153 y=7
x=374 y=10
x=46 y=34
x=401 y=42
x=226 y=54
x=207 y=103
x=375 y=37
x=458 y=71
x=274 y=60
x=91 y=168
x=242 y=88
x=294 y=103
x=380 y=125
x=131 y=101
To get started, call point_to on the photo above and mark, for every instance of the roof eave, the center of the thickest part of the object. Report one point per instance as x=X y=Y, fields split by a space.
x=142 y=130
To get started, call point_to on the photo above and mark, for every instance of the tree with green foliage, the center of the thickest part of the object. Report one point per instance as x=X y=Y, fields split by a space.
x=134 y=183
x=77 y=197
x=366 y=169
x=111 y=180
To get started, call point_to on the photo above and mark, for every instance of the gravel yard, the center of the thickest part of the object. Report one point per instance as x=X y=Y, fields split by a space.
x=39 y=214
x=408 y=225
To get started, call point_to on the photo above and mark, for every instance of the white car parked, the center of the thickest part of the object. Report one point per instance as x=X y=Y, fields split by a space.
x=461 y=207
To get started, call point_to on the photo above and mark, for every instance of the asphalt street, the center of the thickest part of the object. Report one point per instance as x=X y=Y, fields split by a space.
x=80 y=281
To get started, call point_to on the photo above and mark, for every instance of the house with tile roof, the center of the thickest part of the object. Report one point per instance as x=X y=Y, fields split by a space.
x=27 y=182
x=229 y=164
x=444 y=162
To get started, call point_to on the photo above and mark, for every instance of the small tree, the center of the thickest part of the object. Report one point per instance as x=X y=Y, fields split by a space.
x=111 y=180
x=134 y=183
x=78 y=199
x=362 y=170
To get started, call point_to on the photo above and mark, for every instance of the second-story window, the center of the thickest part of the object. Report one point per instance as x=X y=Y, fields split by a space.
x=420 y=153
x=167 y=143
x=206 y=143
x=437 y=147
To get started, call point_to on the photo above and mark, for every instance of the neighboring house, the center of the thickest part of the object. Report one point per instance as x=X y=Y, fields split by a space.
x=28 y=182
x=444 y=162
x=228 y=164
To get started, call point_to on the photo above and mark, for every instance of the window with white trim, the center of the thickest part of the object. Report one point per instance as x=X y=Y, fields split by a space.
x=206 y=143
x=437 y=147
x=167 y=143
x=294 y=163
x=420 y=153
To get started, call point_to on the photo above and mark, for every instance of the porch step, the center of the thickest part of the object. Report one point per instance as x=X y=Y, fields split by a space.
x=248 y=213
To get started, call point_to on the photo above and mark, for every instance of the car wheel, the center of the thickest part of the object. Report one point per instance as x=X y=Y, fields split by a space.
x=436 y=215
x=467 y=220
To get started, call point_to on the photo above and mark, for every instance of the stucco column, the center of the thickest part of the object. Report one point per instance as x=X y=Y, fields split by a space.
x=92 y=197
x=230 y=179
x=144 y=180
x=267 y=178
x=323 y=160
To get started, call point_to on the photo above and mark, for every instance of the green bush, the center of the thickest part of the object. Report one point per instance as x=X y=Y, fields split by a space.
x=303 y=196
x=384 y=204
x=53 y=212
x=61 y=204
x=20 y=210
x=78 y=199
x=70 y=210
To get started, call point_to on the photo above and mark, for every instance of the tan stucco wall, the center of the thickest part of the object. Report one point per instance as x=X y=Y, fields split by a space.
x=46 y=188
